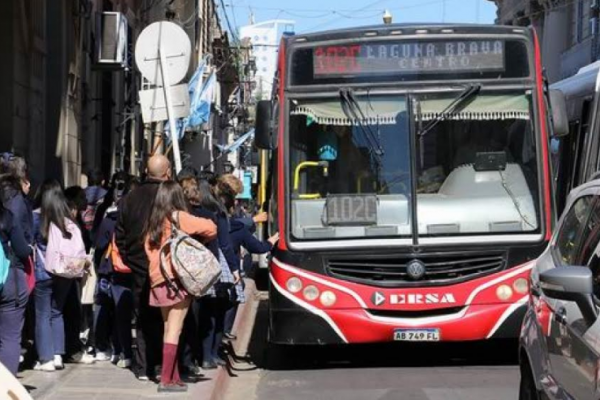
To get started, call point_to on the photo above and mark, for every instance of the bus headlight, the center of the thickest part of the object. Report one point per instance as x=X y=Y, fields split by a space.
x=521 y=286
x=504 y=292
x=311 y=293
x=294 y=285
x=328 y=298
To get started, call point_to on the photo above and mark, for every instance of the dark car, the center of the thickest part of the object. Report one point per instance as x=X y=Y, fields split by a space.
x=560 y=337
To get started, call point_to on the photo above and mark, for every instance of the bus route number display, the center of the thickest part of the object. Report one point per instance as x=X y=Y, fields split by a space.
x=409 y=57
x=351 y=209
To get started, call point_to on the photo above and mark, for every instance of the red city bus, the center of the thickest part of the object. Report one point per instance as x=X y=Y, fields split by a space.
x=409 y=180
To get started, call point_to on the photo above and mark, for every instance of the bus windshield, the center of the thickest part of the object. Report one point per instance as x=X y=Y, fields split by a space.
x=352 y=172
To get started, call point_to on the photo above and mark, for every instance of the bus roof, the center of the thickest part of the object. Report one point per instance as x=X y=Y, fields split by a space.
x=583 y=83
x=578 y=87
x=409 y=29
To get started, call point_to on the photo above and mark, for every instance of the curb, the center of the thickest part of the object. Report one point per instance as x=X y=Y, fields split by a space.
x=242 y=327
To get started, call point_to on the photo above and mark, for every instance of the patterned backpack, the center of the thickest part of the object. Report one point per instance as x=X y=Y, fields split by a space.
x=194 y=265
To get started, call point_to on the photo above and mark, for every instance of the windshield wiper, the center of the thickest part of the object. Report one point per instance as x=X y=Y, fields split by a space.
x=354 y=112
x=457 y=104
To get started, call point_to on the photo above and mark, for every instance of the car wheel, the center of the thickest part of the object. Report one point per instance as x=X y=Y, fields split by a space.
x=527 y=389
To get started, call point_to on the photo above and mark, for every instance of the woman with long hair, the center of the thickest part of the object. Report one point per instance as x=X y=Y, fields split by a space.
x=42 y=293
x=170 y=208
x=13 y=293
x=213 y=308
x=16 y=226
x=54 y=211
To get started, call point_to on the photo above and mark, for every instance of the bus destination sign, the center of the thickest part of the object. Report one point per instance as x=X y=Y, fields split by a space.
x=409 y=58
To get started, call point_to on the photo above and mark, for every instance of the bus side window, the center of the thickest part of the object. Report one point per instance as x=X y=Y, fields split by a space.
x=579 y=143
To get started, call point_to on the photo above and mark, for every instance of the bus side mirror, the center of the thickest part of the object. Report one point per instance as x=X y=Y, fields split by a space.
x=560 y=119
x=263 y=129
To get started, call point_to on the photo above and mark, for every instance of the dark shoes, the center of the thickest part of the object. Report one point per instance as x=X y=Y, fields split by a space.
x=175 y=387
x=206 y=365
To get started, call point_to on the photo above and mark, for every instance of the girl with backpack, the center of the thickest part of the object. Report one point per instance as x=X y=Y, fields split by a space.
x=61 y=253
x=14 y=293
x=167 y=293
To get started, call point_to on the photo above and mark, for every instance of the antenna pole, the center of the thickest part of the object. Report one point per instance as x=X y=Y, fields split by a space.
x=169 y=102
x=443 y=10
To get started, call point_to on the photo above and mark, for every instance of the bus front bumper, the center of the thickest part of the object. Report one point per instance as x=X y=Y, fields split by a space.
x=364 y=314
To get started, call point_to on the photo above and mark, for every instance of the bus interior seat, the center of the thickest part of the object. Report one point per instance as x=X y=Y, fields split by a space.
x=439 y=213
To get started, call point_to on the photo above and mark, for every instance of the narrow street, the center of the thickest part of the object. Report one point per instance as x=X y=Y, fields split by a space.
x=416 y=372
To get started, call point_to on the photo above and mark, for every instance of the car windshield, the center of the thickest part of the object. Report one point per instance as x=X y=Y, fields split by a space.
x=351 y=175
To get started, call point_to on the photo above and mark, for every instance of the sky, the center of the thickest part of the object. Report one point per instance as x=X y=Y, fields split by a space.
x=317 y=15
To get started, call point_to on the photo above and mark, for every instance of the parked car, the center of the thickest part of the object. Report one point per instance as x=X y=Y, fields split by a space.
x=560 y=337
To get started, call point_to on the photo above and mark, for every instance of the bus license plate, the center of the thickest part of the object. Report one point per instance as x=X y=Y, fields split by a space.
x=417 y=335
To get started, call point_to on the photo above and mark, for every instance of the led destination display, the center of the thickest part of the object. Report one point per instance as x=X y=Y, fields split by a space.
x=409 y=57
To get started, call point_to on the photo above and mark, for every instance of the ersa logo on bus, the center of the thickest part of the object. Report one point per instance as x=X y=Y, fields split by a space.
x=379 y=298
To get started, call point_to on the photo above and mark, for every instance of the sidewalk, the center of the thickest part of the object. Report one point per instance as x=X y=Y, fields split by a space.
x=104 y=381
x=108 y=382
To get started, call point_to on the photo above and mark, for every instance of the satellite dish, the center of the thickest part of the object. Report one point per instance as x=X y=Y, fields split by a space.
x=173 y=40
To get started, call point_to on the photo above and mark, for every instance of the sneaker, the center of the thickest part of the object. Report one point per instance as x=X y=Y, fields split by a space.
x=45 y=367
x=209 y=365
x=114 y=359
x=124 y=363
x=58 y=362
x=194 y=370
x=172 y=388
x=102 y=356
x=88 y=359
x=143 y=378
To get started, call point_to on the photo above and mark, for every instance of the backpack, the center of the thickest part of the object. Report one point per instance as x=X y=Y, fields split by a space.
x=195 y=266
x=4 y=267
x=66 y=257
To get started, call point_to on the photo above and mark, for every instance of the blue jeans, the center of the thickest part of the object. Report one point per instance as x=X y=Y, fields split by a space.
x=211 y=312
x=122 y=296
x=60 y=292
x=13 y=302
x=43 y=320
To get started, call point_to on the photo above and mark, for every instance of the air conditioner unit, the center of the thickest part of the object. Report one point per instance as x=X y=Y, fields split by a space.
x=112 y=43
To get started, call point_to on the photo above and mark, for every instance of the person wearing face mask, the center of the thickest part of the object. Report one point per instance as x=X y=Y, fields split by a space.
x=94 y=193
x=114 y=299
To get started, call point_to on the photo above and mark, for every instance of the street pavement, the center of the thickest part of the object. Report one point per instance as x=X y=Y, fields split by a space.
x=375 y=372
x=102 y=381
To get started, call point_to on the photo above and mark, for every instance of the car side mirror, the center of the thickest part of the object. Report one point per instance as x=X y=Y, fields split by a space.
x=571 y=284
x=263 y=128
x=558 y=108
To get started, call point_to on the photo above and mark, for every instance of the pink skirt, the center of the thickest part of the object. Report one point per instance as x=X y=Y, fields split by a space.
x=163 y=296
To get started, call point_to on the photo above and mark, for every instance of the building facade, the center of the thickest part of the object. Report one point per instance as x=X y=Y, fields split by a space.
x=568 y=31
x=264 y=39
x=68 y=113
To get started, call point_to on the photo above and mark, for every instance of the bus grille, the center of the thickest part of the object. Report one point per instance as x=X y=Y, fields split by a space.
x=440 y=268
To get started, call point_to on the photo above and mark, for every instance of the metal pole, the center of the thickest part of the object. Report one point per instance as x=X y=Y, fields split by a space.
x=173 y=127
